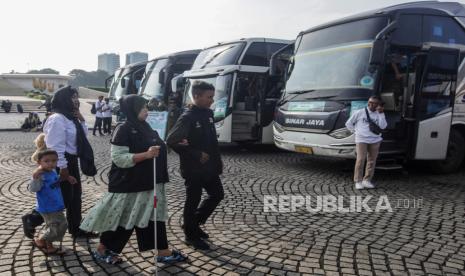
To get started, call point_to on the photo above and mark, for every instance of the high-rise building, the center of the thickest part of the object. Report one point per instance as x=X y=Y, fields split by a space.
x=136 y=57
x=108 y=62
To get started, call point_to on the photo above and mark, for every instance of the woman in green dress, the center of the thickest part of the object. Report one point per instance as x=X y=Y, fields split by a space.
x=128 y=205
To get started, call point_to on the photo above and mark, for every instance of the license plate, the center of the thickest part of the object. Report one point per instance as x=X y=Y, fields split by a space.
x=302 y=149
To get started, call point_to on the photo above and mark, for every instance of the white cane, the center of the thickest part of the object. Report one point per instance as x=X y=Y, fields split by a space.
x=155 y=211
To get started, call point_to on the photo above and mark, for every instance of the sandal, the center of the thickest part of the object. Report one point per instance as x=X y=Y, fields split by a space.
x=108 y=257
x=47 y=250
x=176 y=256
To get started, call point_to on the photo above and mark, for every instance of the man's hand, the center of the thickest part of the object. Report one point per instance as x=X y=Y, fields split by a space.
x=204 y=158
x=37 y=172
x=380 y=109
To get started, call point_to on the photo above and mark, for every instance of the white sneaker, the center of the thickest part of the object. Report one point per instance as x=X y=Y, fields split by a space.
x=368 y=184
x=359 y=185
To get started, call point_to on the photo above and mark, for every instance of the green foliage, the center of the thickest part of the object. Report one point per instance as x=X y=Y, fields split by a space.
x=44 y=71
x=88 y=79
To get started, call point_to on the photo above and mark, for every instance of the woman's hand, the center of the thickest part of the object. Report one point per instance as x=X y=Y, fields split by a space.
x=64 y=174
x=152 y=152
x=78 y=115
x=72 y=180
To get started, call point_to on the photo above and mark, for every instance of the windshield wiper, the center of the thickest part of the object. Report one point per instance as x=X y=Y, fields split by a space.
x=214 y=56
x=301 y=92
x=295 y=94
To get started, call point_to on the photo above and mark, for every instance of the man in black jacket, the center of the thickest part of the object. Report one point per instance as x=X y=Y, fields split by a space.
x=193 y=137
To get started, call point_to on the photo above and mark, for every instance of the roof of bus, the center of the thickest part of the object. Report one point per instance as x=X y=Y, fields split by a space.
x=182 y=53
x=253 y=39
x=435 y=7
x=135 y=64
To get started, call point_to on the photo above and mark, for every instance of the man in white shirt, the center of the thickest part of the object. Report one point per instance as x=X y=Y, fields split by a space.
x=367 y=142
x=98 y=116
x=107 y=115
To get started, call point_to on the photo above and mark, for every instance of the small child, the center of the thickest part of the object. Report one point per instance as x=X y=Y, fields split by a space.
x=46 y=184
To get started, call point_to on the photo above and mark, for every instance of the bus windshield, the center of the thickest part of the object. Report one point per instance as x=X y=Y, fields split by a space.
x=222 y=86
x=335 y=57
x=220 y=55
x=151 y=86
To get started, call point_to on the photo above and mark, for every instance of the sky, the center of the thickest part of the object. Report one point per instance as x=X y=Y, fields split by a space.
x=70 y=34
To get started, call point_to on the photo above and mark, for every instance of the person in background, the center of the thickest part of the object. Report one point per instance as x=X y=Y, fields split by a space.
x=107 y=112
x=6 y=105
x=194 y=138
x=367 y=143
x=98 y=116
x=28 y=122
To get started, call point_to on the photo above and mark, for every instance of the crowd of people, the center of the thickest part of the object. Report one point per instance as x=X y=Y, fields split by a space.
x=139 y=169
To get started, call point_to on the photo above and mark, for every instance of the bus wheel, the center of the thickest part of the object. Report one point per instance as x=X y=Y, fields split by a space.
x=455 y=155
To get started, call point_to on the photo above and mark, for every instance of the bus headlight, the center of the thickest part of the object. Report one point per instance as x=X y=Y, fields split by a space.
x=340 y=133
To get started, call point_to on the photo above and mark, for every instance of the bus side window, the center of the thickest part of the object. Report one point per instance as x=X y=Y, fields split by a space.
x=256 y=55
x=408 y=31
x=442 y=29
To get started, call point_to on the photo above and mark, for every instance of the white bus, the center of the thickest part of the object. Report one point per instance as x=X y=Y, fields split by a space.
x=411 y=55
x=245 y=94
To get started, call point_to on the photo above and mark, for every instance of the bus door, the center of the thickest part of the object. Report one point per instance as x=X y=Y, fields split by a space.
x=433 y=103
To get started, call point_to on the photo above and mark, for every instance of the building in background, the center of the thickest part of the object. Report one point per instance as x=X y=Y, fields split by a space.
x=48 y=83
x=108 y=62
x=136 y=57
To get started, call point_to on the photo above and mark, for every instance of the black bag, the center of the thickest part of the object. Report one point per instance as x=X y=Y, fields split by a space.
x=373 y=126
x=93 y=110
x=86 y=156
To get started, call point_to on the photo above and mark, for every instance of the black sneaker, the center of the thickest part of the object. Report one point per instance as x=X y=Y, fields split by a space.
x=28 y=229
x=197 y=243
x=202 y=234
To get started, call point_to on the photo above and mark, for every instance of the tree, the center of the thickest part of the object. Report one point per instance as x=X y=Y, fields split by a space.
x=85 y=78
x=44 y=71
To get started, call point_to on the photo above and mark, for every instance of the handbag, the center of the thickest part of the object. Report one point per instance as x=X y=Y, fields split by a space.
x=373 y=126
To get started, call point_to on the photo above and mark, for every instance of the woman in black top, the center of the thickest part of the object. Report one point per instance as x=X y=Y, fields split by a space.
x=128 y=205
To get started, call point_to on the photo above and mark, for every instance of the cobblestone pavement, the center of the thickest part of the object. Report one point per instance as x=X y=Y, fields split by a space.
x=408 y=241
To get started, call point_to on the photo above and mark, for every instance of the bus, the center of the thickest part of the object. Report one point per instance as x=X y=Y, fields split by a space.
x=125 y=81
x=410 y=55
x=245 y=93
x=156 y=85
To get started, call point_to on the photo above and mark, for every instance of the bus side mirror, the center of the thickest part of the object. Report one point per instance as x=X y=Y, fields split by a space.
x=161 y=77
x=280 y=59
x=377 y=52
x=123 y=82
x=107 y=81
x=177 y=84
x=379 y=45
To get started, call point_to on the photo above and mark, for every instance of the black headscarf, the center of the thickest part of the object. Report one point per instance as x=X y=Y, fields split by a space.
x=62 y=103
x=131 y=105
